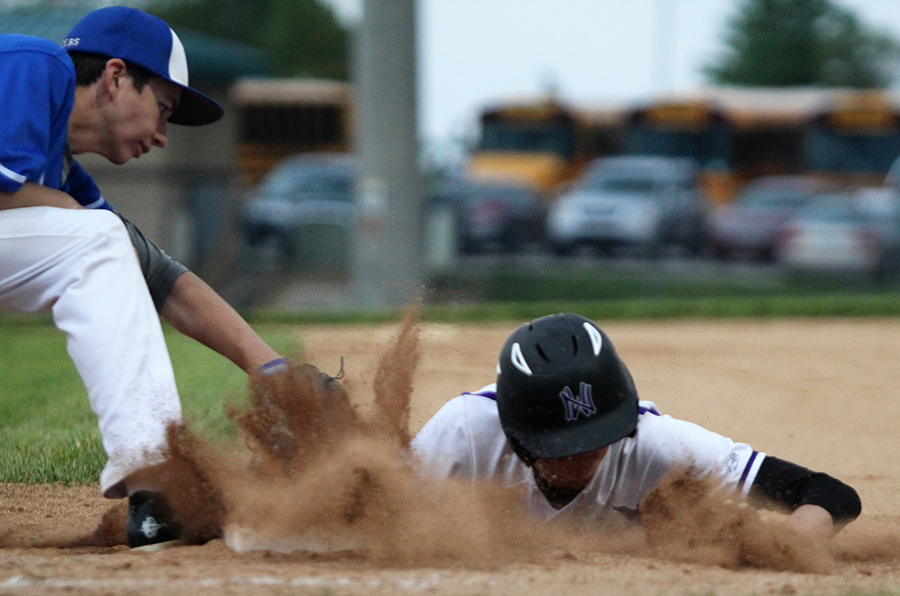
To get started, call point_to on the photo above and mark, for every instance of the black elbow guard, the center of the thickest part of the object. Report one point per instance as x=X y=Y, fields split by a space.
x=846 y=504
x=791 y=485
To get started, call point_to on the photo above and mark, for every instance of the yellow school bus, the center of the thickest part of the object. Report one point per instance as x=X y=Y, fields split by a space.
x=279 y=117
x=543 y=143
x=854 y=137
x=736 y=134
x=733 y=134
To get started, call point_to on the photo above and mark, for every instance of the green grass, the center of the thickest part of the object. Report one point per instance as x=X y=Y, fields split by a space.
x=48 y=432
x=840 y=304
x=515 y=294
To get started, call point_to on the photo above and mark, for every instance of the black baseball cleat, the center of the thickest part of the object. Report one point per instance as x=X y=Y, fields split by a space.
x=150 y=520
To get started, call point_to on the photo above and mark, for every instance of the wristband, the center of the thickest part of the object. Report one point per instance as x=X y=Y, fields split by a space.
x=274 y=367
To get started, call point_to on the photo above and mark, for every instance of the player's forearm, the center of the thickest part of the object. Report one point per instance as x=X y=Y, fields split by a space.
x=813 y=521
x=37 y=195
x=196 y=310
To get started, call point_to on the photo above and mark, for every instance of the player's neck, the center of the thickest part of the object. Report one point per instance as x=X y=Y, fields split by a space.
x=84 y=121
x=556 y=496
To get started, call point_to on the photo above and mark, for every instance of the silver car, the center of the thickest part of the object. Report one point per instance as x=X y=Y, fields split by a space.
x=648 y=202
x=854 y=233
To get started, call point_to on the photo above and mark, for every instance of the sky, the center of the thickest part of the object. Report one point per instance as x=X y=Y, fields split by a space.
x=475 y=52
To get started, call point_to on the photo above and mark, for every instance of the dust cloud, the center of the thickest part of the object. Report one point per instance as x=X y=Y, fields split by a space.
x=316 y=474
x=688 y=519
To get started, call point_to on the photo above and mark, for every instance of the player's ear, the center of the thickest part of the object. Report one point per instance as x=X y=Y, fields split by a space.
x=113 y=76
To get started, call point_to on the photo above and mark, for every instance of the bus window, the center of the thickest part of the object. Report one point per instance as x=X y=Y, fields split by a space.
x=673 y=129
x=557 y=137
x=838 y=152
x=705 y=145
x=856 y=139
x=303 y=126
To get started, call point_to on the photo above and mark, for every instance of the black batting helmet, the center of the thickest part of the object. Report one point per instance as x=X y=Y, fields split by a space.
x=562 y=389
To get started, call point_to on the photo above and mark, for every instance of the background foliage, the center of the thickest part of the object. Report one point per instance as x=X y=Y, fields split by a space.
x=302 y=37
x=803 y=42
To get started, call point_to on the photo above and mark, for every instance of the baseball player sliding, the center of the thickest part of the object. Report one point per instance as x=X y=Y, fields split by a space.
x=120 y=78
x=564 y=422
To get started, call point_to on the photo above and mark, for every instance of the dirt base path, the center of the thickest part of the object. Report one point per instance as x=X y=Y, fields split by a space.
x=822 y=393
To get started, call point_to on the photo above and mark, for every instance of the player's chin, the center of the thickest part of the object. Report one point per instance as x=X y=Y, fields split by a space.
x=119 y=158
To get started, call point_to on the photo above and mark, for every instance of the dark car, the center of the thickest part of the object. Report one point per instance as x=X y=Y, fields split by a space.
x=493 y=216
x=305 y=199
x=752 y=224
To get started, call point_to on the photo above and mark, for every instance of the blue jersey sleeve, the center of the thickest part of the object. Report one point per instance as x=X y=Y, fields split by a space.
x=37 y=90
x=83 y=189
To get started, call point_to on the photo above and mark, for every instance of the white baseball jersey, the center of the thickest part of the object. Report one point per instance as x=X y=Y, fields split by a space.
x=465 y=440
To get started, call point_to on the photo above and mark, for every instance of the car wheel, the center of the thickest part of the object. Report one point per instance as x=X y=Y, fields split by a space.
x=655 y=247
x=697 y=245
x=512 y=242
x=889 y=267
x=562 y=249
x=767 y=255
x=470 y=247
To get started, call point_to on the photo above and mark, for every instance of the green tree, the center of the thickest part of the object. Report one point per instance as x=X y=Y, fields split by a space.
x=803 y=42
x=303 y=37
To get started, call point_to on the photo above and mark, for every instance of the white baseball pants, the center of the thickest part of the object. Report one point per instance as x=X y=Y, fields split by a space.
x=82 y=266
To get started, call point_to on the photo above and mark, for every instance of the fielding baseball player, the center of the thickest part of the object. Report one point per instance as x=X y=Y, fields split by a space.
x=120 y=78
x=564 y=422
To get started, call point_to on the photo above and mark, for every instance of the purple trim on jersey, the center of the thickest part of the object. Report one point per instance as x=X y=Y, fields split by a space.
x=747 y=470
x=646 y=410
x=487 y=393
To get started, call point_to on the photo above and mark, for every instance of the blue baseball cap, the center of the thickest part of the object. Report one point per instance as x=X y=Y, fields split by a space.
x=147 y=41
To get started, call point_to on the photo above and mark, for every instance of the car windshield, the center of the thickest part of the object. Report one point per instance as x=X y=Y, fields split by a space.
x=624 y=185
x=303 y=184
x=832 y=209
x=773 y=198
x=621 y=182
x=510 y=196
x=639 y=177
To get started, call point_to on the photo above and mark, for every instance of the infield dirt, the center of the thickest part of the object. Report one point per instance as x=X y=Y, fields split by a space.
x=817 y=392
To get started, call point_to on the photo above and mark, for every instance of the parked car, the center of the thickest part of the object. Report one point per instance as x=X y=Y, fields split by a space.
x=496 y=216
x=305 y=207
x=642 y=201
x=845 y=233
x=751 y=225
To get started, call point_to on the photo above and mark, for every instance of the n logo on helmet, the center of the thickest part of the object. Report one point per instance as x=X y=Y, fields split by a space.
x=582 y=404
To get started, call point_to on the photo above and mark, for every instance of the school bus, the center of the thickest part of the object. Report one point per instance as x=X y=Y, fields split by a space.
x=543 y=143
x=854 y=138
x=733 y=134
x=736 y=134
x=279 y=117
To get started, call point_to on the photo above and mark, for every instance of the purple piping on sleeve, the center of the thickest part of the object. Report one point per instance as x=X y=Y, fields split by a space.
x=488 y=394
x=747 y=470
